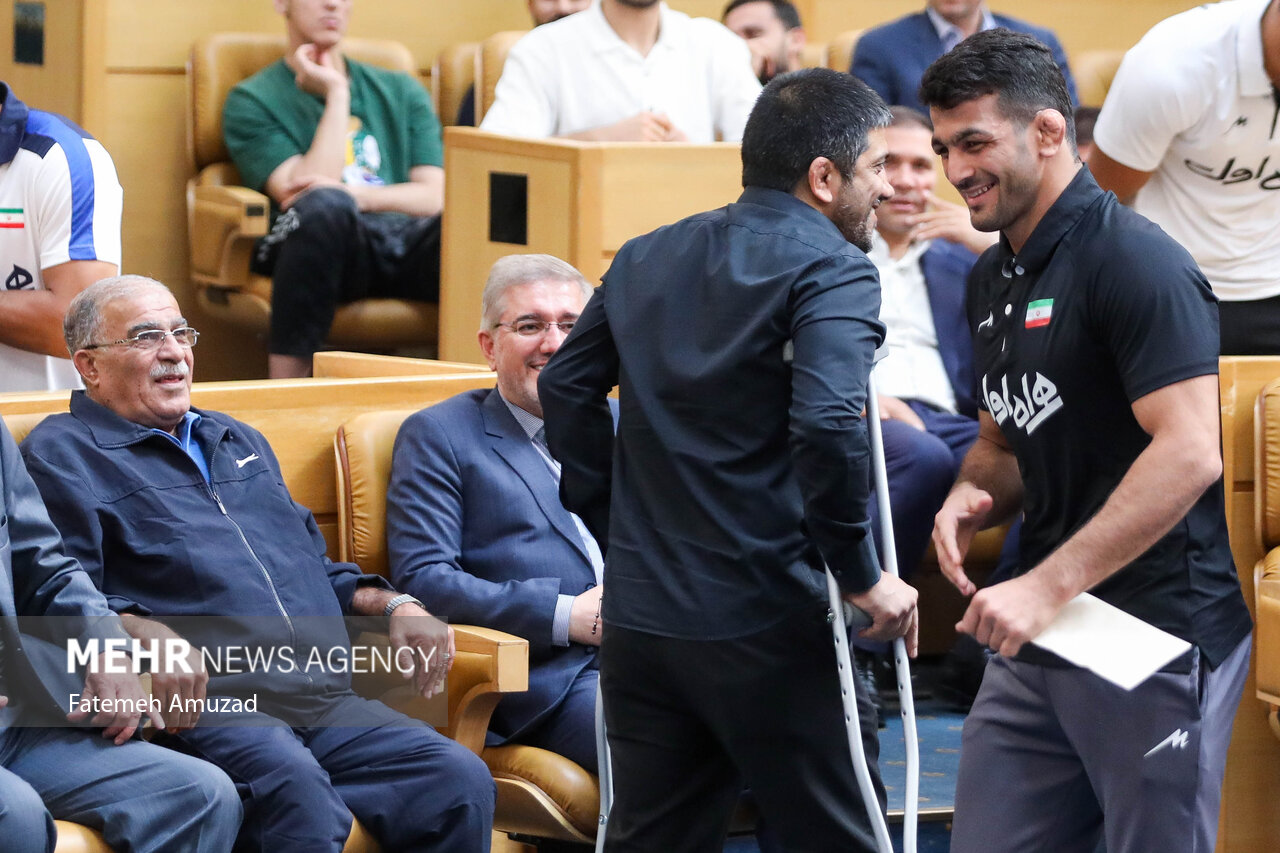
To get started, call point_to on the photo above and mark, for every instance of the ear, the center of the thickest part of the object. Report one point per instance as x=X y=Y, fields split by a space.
x=1050 y=129
x=823 y=180
x=485 y=337
x=282 y=7
x=796 y=39
x=87 y=365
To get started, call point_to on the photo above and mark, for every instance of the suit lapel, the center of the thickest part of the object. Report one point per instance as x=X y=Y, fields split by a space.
x=509 y=441
x=944 y=279
x=927 y=37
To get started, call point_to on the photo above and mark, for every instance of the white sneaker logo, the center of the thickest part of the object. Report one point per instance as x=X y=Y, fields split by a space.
x=1178 y=740
x=240 y=463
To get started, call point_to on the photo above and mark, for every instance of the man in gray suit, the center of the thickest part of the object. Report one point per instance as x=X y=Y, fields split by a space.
x=141 y=797
x=474 y=520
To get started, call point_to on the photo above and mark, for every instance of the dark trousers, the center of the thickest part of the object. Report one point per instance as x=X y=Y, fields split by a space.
x=570 y=728
x=140 y=797
x=410 y=786
x=693 y=722
x=1251 y=327
x=323 y=252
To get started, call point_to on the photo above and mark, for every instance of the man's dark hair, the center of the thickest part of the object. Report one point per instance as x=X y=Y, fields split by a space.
x=785 y=11
x=909 y=117
x=1017 y=68
x=803 y=115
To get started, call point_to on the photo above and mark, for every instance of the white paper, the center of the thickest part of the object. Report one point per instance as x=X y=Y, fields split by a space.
x=1104 y=639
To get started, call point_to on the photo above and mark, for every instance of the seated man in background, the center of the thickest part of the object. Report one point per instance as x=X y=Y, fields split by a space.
x=923 y=248
x=626 y=71
x=183 y=520
x=351 y=156
x=139 y=796
x=474 y=520
x=891 y=58
x=773 y=32
x=1188 y=135
x=542 y=12
x=59 y=233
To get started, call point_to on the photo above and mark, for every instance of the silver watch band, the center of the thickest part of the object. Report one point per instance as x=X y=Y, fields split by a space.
x=402 y=598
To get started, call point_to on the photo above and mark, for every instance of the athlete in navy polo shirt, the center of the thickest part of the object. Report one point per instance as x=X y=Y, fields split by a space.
x=1096 y=346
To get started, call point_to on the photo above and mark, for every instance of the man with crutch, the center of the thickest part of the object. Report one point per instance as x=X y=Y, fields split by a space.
x=741 y=340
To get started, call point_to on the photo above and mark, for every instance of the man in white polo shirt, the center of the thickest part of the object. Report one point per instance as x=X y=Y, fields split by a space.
x=1190 y=131
x=60 y=206
x=626 y=71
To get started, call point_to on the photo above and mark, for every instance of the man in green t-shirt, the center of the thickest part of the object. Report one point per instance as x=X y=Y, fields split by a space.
x=351 y=157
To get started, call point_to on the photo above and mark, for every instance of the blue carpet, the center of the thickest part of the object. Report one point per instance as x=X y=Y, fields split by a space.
x=938 y=732
x=933 y=837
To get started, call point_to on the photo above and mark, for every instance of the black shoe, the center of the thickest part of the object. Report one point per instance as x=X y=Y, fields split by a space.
x=960 y=675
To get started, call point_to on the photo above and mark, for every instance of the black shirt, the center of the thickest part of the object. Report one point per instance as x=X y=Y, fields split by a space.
x=741 y=340
x=1100 y=308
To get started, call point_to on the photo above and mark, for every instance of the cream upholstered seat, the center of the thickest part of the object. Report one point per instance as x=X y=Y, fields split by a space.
x=452 y=76
x=540 y=794
x=1093 y=71
x=493 y=55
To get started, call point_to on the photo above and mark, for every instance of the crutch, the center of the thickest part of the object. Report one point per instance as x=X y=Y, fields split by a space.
x=605 y=762
x=844 y=664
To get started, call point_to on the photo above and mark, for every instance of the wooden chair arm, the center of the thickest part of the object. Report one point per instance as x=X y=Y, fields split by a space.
x=488 y=664
x=225 y=221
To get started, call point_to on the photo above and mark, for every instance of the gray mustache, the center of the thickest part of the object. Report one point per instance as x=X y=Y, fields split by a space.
x=161 y=371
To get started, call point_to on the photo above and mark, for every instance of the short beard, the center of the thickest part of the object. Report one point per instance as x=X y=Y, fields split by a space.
x=854 y=224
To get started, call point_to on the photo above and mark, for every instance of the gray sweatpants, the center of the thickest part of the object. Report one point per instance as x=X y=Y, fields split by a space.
x=1053 y=759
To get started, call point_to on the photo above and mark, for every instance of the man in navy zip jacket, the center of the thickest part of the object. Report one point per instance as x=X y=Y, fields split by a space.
x=182 y=518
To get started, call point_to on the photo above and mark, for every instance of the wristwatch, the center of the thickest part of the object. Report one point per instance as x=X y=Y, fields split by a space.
x=402 y=598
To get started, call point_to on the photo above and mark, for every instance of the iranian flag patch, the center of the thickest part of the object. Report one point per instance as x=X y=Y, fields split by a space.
x=1039 y=313
x=11 y=217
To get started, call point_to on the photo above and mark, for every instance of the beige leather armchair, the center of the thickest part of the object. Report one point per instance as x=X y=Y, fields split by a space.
x=493 y=54
x=452 y=76
x=840 y=50
x=540 y=794
x=1266 y=574
x=1094 y=70
x=224 y=219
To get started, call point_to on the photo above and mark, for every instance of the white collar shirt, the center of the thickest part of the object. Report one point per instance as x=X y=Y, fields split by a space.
x=913 y=367
x=949 y=34
x=576 y=74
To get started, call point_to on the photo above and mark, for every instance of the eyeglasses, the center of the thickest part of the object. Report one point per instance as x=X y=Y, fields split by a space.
x=532 y=328
x=153 y=339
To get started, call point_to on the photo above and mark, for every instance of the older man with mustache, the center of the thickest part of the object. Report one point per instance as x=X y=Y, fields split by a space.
x=183 y=520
